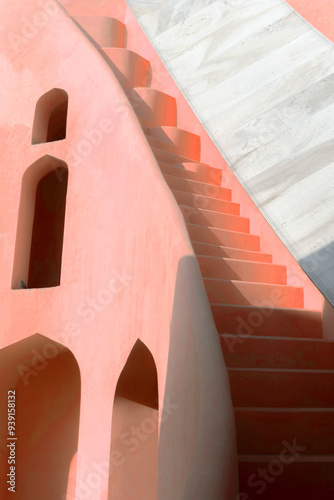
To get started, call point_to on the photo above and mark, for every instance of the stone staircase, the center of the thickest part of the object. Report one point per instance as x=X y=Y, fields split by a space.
x=281 y=370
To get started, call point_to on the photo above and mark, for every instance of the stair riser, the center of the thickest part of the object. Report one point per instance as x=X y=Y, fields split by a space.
x=240 y=320
x=106 y=31
x=262 y=432
x=296 y=481
x=215 y=219
x=245 y=293
x=193 y=171
x=275 y=389
x=130 y=69
x=169 y=158
x=179 y=141
x=213 y=236
x=156 y=107
x=229 y=269
x=277 y=353
x=171 y=148
x=197 y=201
x=232 y=253
x=198 y=188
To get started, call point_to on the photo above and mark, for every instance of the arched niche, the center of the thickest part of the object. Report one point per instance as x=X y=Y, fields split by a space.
x=134 y=438
x=45 y=378
x=50 y=121
x=40 y=228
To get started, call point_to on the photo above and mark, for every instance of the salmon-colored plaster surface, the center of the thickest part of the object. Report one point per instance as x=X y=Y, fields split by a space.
x=154 y=249
x=128 y=272
x=319 y=13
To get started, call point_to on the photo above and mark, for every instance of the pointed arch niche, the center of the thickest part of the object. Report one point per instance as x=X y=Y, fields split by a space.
x=40 y=228
x=46 y=379
x=50 y=119
x=134 y=437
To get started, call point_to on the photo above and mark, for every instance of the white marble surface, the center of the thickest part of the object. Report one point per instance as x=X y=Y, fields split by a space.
x=261 y=80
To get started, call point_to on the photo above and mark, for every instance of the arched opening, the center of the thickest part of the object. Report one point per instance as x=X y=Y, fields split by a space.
x=40 y=231
x=134 y=437
x=44 y=379
x=50 y=117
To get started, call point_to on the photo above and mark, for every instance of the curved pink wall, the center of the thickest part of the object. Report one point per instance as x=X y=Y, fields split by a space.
x=124 y=237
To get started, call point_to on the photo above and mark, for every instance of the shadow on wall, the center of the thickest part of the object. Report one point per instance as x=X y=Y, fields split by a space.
x=45 y=381
x=321 y=264
x=194 y=444
x=197 y=434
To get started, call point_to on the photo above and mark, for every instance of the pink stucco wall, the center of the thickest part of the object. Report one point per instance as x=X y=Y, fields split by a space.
x=319 y=13
x=128 y=269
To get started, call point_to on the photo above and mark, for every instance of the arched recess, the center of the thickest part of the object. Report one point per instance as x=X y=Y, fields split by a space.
x=134 y=437
x=40 y=228
x=46 y=379
x=50 y=117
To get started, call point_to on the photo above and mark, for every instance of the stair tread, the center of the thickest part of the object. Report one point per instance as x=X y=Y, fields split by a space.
x=289 y=339
x=179 y=158
x=225 y=230
x=300 y=458
x=239 y=260
x=205 y=210
x=278 y=321
x=278 y=370
x=196 y=182
x=152 y=90
x=205 y=196
x=247 y=254
x=179 y=166
x=265 y=409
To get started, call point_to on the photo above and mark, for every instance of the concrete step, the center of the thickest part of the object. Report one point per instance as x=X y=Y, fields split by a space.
x=232 y=239
x=246 y=293
x=261 y=431
x=171 y=148
x=194 y=171
x=195 y=201
x=176 y=140
x=161 y=155
x=152 y=105
x=218 y=268
x=302 y=477
x=211 y=218
x=130 y=68
x=197 y=187
x=233 y=253
x=105 y=31
x=281 y=388
x=267 y=321
x=277 y=352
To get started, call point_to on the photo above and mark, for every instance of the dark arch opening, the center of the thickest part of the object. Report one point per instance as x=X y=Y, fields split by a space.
x=50 y=117
x=46 y=379
x=40 y=232
x=134 y=437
